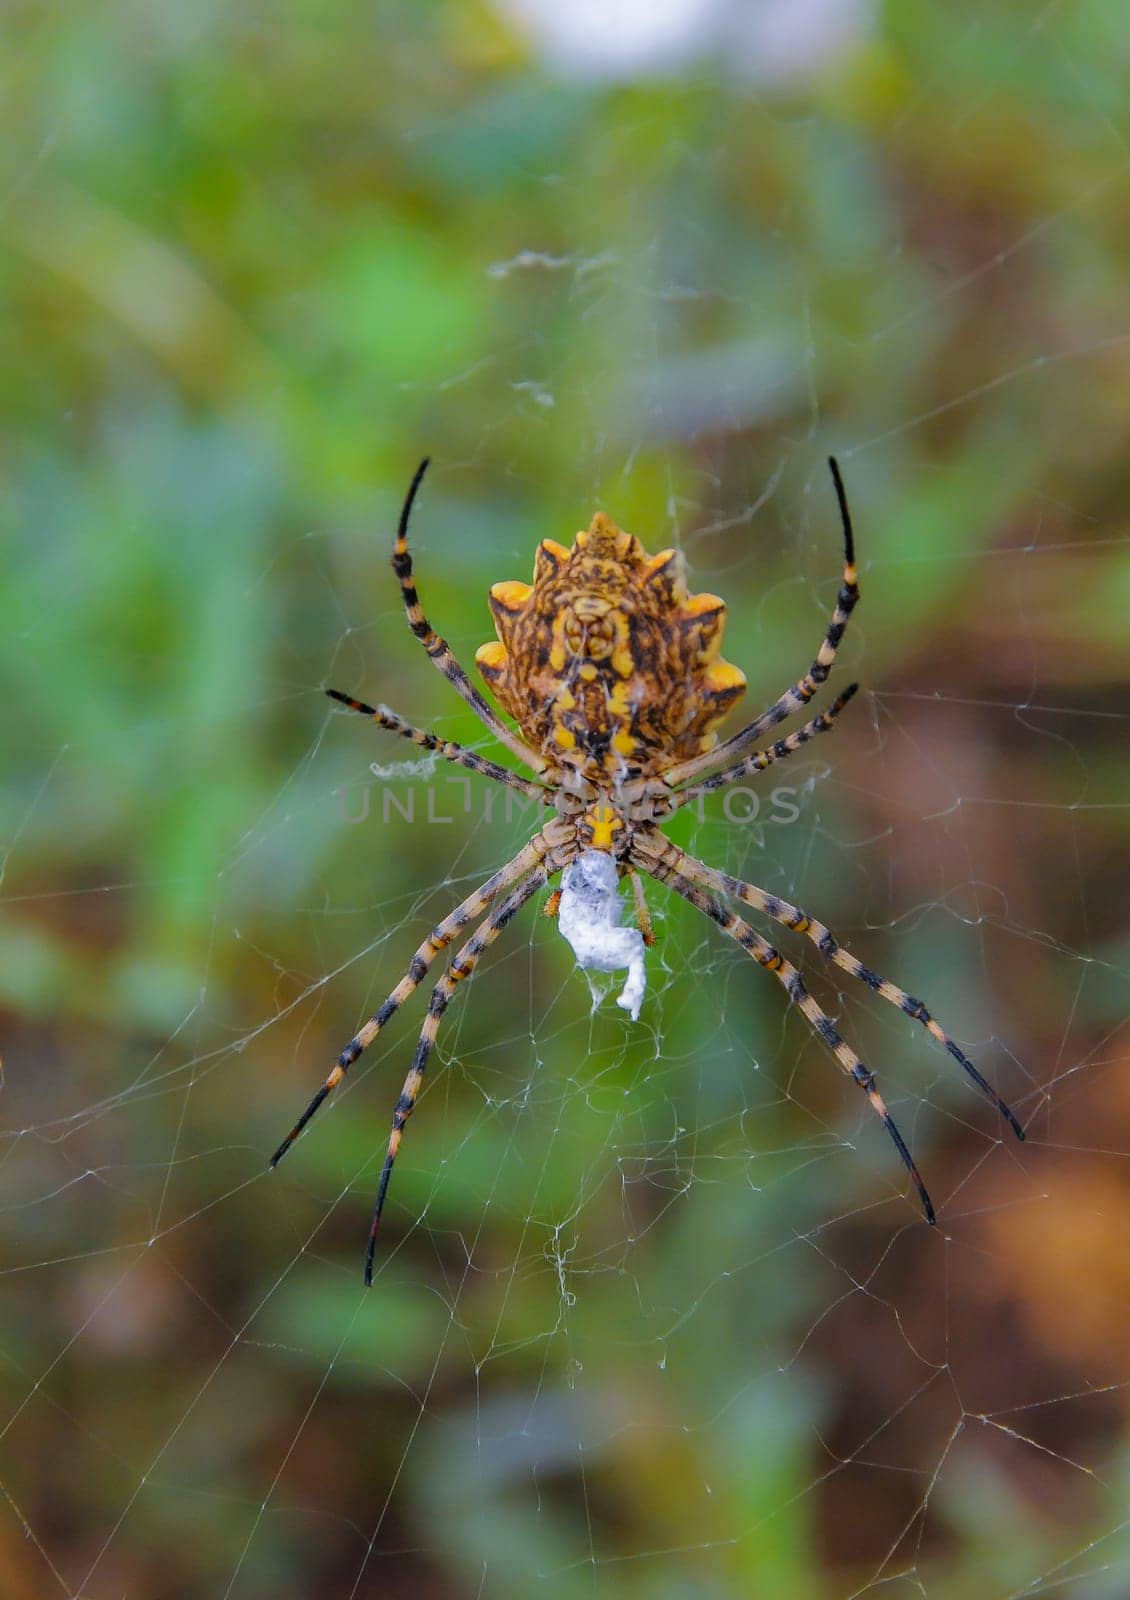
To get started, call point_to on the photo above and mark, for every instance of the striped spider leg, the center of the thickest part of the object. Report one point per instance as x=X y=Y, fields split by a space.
x=798 y=696
x=694 y=880
x=780 y=750
x=438 y=649
x=462 y=967
x=790 y=979
x=527 y=860
x=447 y=748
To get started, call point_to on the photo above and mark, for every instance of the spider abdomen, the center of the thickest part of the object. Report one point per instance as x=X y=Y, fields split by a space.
x=605 y=661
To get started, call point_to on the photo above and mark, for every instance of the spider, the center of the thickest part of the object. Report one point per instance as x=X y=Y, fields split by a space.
x=613 y=673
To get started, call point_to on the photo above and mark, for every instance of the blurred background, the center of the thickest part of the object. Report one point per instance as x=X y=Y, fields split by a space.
x=654 y=1312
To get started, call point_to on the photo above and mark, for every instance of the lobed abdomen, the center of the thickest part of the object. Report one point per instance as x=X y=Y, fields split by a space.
x=606 y=662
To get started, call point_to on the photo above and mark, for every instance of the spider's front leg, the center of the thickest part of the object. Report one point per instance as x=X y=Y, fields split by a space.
x=649 y=856
x=792 y=917
x=439 y=938
x=462 y=967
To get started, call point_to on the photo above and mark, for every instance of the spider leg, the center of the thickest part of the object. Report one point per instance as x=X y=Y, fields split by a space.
x=444 y=747
x=441 y=936
x=790 y=916
x=760 y=759
x=643 y=915
x=790 y=979
x=462 y=967
x=438 y=649
x=803 y=690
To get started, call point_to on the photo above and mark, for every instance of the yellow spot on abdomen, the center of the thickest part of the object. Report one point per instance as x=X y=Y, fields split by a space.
x=491 y=658
x=722 y=677
x=511 y=595
x=696 y=604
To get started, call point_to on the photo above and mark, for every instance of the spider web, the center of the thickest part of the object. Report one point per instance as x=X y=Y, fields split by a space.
x=654 y=1313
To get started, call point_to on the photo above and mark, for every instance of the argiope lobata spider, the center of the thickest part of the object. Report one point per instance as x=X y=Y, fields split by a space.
x=613 y=673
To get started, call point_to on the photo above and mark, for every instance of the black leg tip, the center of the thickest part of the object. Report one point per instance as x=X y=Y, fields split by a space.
x=354 y=705
x=845 y=514
x=405 y=513
x=1009 y=1116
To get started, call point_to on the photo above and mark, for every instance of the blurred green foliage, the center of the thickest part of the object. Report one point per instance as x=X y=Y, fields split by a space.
x=652 y=1318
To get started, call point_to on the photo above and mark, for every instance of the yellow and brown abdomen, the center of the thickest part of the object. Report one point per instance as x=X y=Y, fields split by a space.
x=605 y=661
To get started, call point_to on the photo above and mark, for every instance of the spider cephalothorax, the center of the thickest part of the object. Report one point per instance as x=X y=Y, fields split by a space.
x=613 y=673
x=605 y=662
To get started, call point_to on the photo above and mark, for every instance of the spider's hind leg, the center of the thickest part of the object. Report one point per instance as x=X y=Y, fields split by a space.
x=801 y=692
x=758 y=760
x=437 y=648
